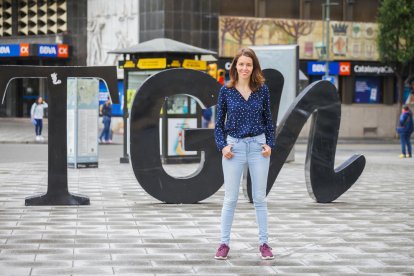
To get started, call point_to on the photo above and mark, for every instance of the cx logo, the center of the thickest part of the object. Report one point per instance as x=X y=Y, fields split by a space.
x=24 y=49
x=63 y=51
x=344 y=68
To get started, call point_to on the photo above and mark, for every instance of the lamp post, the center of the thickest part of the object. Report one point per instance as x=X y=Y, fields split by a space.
x=326 y=13
x=326 y=19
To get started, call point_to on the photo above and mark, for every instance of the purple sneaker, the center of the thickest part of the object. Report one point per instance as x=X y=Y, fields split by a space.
x=222 y=252
x=266 y=252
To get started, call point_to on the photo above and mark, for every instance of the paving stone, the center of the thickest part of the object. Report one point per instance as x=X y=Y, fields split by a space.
x=72 y=271
x=369 y=230
x=154 y=270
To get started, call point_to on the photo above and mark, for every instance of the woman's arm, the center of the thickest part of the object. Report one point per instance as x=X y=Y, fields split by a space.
x=32 y=111
x=221 y=111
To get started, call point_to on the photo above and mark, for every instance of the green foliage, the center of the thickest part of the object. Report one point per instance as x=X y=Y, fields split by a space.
x=396 y=33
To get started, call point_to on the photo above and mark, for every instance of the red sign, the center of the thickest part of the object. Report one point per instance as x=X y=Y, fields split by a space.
x=24 y=49
x=344 y=68
x=63 y=51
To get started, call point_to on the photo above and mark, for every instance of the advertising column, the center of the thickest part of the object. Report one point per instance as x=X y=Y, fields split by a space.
x=82 y=122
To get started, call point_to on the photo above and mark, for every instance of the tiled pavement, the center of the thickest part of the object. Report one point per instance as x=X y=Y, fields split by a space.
x=369 y=230
x=20 y=130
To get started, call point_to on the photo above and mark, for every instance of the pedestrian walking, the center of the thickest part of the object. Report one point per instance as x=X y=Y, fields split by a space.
x=246 y=137
x=405 y=129
x=106 y=112
x=36 y=116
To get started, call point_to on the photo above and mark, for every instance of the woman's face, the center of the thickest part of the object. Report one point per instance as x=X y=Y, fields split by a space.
x=244 y=67
x=39 y=100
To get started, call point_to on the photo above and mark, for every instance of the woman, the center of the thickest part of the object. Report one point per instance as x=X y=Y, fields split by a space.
x=106 y=112
x=36 y=115
x=405 y=129
x=247 y=137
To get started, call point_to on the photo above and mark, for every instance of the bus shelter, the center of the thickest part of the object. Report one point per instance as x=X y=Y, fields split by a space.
x=180 y=111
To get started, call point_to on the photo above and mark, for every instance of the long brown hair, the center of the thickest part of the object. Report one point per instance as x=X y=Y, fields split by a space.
x=256 y=79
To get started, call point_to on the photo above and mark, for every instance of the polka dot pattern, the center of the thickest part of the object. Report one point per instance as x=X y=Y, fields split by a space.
x=244 y=118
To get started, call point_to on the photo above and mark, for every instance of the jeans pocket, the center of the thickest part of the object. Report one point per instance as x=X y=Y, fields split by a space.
x=231 y=141
x=260 y=140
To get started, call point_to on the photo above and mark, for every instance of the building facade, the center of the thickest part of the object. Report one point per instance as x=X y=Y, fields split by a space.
x=92 y=28
x=366 y=87
x=39 y=32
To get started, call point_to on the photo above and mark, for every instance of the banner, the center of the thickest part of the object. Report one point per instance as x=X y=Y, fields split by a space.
x=348 y=40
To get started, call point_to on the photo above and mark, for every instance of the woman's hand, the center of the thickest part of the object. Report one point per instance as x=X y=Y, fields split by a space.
x=267 y=151
x=226 y=151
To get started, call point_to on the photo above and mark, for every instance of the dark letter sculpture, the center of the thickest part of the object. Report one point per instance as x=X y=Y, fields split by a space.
x=57 y=189
x=324 y=183
x=145 y=148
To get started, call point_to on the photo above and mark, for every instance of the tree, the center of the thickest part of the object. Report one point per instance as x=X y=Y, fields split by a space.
x=226 y=24
x=396 y=39
x=253 y=26
x=295 y=28
x=238 y=29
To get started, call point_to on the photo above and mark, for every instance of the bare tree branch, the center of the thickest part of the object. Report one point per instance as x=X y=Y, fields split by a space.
x=251 y=29
x=295 y=28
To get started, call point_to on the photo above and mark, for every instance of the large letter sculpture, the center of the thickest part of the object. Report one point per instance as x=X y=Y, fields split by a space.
x=57 y=189
x=324 y=183
x=145 y=148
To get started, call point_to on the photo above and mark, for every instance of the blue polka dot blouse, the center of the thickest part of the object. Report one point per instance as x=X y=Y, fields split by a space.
x=244 y=118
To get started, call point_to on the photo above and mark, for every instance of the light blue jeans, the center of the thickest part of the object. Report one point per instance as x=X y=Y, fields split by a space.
x=246 y=151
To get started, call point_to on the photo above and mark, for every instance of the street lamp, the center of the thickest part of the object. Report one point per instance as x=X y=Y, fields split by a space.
x=325 y=49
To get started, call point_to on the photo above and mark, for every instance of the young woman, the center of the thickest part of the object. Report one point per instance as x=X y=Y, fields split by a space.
x=246 y=137
x=405 y=129
x=106 y=112
x=36 y=115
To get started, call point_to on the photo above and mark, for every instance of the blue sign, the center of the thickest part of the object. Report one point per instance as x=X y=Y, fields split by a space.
x=47 y=50
x=367 y=90
x=9 y=50
x=318 y=68
x=117 y=109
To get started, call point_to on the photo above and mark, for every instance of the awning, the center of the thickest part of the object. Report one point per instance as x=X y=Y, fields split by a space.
x=163 y=45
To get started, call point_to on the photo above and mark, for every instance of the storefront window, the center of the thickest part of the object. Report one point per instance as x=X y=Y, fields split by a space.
x=193 y=109
x=367 y=90
x=177 y=104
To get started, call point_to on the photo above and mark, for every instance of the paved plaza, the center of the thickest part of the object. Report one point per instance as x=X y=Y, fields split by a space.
x=124 y=231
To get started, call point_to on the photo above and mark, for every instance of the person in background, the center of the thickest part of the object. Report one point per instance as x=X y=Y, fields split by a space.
x=36 y=115
x=405 y=129
x=245 y=138
x=410 y=99
x=207 y=115
x=106 y=112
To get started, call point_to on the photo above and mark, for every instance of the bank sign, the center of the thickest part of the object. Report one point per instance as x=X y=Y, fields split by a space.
x=9 y=50
x=52 y=50
x=346 y=68
x=40 y=50
x=371 y=69
x=335 y=68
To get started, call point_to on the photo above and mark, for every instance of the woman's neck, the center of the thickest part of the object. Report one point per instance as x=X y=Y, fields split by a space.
x=243 y=83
